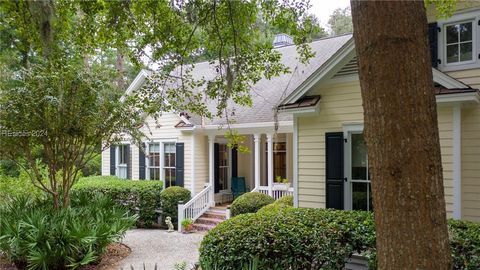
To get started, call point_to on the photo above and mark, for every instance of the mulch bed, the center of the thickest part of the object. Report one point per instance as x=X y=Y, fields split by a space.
x=115 y=253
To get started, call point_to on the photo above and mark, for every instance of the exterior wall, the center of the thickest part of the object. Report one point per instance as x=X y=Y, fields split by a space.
x=469 y=77
x=201 y=162
x=470 y=153
x=342 y=104
x=163 y=131
x=245 y=162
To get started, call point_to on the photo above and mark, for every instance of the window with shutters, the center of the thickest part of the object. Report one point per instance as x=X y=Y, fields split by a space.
x=122 y=161
x=154 y=161
x=459 y=39
x=169 y=155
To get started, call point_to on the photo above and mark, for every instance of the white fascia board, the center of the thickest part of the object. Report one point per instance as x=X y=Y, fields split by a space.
x=446 y=81
x=313 y=110
x=136 y=84
x=321 y=73
x=470 y=97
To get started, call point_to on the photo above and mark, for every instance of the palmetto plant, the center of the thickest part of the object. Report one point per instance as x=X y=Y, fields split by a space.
x=34 y=236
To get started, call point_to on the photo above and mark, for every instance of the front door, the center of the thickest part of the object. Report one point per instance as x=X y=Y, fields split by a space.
x=358 y=187
x=222 y=172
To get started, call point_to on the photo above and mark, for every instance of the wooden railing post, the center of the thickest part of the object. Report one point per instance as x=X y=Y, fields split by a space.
x=181 y=211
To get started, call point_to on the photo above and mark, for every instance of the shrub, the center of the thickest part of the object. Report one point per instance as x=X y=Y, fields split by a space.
x=465 y=244
x=281 y=203
x=289 y=238
x=35 y=236
x=249 y=202
x=169 y=199
x=285 y=200
x=17 y=186
x=142 y=197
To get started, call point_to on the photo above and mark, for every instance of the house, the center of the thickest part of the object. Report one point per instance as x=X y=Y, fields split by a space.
x=189 y=151
x=330 y=158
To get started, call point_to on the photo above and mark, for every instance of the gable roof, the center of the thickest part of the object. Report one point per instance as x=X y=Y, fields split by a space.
x=343 y=57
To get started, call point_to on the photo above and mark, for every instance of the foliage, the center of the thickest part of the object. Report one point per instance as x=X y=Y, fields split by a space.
x=279 y=179
x=281 y=203
x=289 y=238
x=142 y=197
x=169 y=200
x=9 y=168
x=93 y=166
x=443 y=8
x=17 y=186
x=249 y=202
x=465 y=244
x=340 y=21
x=35 y=236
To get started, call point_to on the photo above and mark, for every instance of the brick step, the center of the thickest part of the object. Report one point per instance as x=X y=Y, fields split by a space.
x=215 y=214
x=203 y=227
x=207 y=220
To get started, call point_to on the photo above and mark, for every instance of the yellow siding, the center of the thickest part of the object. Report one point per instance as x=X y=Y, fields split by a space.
x=471 y=163
x=469 y=77
x=201 y=162
x=342 y=104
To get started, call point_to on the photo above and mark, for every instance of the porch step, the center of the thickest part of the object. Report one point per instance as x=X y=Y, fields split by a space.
x=210 y=219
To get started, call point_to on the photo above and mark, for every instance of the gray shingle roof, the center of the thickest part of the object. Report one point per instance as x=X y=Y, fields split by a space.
x=267 y=94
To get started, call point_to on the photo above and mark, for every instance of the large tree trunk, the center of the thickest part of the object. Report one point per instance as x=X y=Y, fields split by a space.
x=401 y=132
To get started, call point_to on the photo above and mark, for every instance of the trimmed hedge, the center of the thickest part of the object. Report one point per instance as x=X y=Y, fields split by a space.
x=249 y=202
x=170 y=198
x=299 y=238
x=290 y=238
x=281 y=203
x=142 y=197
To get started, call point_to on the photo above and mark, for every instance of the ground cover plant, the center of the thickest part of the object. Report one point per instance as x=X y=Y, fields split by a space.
x=33 y=235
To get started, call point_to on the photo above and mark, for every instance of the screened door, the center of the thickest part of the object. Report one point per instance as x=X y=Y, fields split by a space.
x=359 y=180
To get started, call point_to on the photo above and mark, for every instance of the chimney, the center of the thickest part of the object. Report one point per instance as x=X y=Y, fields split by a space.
x=281 y=40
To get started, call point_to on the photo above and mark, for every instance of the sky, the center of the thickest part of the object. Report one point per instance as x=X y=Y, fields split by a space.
x=323 y=8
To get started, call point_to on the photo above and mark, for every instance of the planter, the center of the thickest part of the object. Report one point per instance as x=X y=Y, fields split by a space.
x=281 y=186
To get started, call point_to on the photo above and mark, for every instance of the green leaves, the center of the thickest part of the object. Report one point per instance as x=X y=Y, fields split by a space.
x=250 y=202
x=170 y=198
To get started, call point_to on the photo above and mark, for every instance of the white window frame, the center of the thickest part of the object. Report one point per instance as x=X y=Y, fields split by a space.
x=162 y=165
x=120 y=166
x=228 y=168
x=148 y=166
x=147 y=161
x=467 y=16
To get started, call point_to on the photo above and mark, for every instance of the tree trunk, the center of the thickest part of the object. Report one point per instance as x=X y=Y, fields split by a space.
x=120 y=69
x=401 y=133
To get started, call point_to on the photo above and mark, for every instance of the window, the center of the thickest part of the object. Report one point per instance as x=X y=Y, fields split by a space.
x=122 y=161
x=223 y=165
x=459 y=42
x=169 y=175
x=360 y=177
x=154 y=161
x=279 y=160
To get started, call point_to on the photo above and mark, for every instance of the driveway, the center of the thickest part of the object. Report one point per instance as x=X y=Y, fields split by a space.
x=159 y=247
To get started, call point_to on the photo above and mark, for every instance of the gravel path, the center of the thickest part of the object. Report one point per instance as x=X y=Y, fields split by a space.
x=160 y=247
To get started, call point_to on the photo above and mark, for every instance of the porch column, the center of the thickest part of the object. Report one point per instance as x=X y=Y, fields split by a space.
x=256 y=138
x=211 y=141
x=270 y=164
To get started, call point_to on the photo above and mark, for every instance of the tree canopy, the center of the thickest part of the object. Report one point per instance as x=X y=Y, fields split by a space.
x=340 y=21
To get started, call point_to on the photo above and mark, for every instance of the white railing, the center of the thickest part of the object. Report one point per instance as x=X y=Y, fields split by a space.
x=194 y=208
x=276 y=192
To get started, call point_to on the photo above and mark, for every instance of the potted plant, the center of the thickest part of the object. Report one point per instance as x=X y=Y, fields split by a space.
x=187 y=226
x=281 y=183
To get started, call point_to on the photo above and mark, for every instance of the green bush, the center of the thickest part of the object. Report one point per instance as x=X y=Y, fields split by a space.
x=142 y=197
x=281 y=203
x=33 y=235
x=93 y=166
x=169 y=199
x=285 y=200
x=249 y=202
x=17 y=186
x=290 y=238
x=465 y=244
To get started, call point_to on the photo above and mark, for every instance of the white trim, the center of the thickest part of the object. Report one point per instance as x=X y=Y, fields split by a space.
x=446 y=81
x=256 y=158
x=270 y=163
x=211 y=141
x=457 y=162
x=295 y=160
x=469 y=97
x=192 y=169
x=312 y=110
x=463 y=16
x=250 y=128
x=348 y=129
x=249 y=125
x=137 y=83
x=327 y=70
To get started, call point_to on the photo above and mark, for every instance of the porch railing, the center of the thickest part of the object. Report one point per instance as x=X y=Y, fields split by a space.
x=276 y=192
x=194 y=208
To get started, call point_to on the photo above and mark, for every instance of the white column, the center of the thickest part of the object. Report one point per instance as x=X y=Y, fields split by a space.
x=211 y=141
x=295 y=162
x=457 y=162
x=270 y=163
x=256 y=138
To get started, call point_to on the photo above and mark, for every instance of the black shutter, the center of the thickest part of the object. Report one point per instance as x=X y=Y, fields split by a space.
x=112 y=159
x=141 y=163
x=129 y=161
x=334 y=169
x=216 y=168
x=433 y=43
x=234 y=162
x=179 y=164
